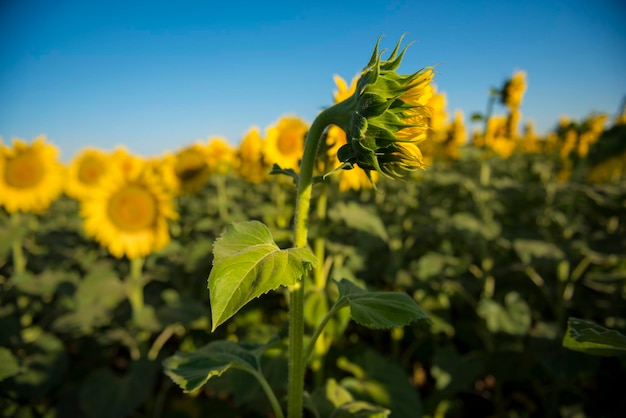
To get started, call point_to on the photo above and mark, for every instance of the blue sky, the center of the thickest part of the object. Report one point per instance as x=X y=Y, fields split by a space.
x=157 y=76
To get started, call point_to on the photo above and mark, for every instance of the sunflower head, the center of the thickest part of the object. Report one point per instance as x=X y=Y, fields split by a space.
x=128 y=214
x=250 y=164
x=284 y=142
x=513 y=90
x=31 y=177
x=192 y=168
x=220 y=156
x=85 y=171
x=386 y=117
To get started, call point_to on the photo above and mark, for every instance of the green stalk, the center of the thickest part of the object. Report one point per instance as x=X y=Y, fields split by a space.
x=320 y=240
x=135 y=287
x=278 y=412
x=296 y=292
x=222 y=197
x=19 y=259
x=318 y=331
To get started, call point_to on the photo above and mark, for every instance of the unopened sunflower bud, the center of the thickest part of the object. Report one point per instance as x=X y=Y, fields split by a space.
x=388 y=117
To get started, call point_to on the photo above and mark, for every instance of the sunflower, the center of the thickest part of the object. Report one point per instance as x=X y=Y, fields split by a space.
x=128 y=214
x=220 y=156
x=85 y=172
x=513 y=90
x=129 y=163
x=250 y=163
x=284 y=143
x=31 y=177
x=192 y=168
x=163 y=168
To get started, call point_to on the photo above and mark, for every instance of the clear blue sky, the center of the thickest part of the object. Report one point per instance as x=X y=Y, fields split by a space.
x=157 y=76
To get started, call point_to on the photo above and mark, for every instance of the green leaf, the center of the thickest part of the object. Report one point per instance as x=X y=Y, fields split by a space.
x=359 y=217
x=100 y=292
x=379 y=309
x=530 y=250
x=381 y=381
x=248 y=263
x=454 y=373
x=44 y=362
x=513 y=317
x=106 y=394
x=360 y=409
x=594 y=339
x=327 y=399
x=192 y=370
x=276 y=169
x=8 y=364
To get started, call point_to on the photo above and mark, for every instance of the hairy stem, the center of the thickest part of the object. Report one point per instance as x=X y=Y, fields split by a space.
x=296 y=292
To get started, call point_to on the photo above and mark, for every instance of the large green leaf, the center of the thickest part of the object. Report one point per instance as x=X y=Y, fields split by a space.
x=192 y=370
x=381 y=381
x=379 y=309
x=591 y=338
x=248 y=263
x=107 y=394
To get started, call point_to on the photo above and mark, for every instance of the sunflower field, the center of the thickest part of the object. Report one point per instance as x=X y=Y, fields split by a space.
x=510 y=248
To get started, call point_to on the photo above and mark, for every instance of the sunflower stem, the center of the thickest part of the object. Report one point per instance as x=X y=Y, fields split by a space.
x=135 y=288
x=19 y=259
x=295 y=393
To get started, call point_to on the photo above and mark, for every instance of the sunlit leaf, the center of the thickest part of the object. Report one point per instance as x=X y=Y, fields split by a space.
x=359 y=217
x=591 y=338
x=379 y=309
x=248 y=263
x=360 y=409
x=9 y=365
x=192 y=370
x=529 y=250
x=512 y=317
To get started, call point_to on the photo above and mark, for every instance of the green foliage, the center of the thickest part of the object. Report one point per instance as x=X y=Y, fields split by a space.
x=192 y=370
x=498 y=267
x=378 y=309
x=590 y=338
x=8 y=364
x=248 y=263
x=104 y=394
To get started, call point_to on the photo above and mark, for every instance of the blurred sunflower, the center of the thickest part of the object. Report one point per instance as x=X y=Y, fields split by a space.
x=163 y=168
x=85 y=172
x=284 y=143
x=513 y=90
x=250 y=162
x=31 y=177
x=128 y=214
x=192 y=168
x=127 y=162
x=220 y=156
